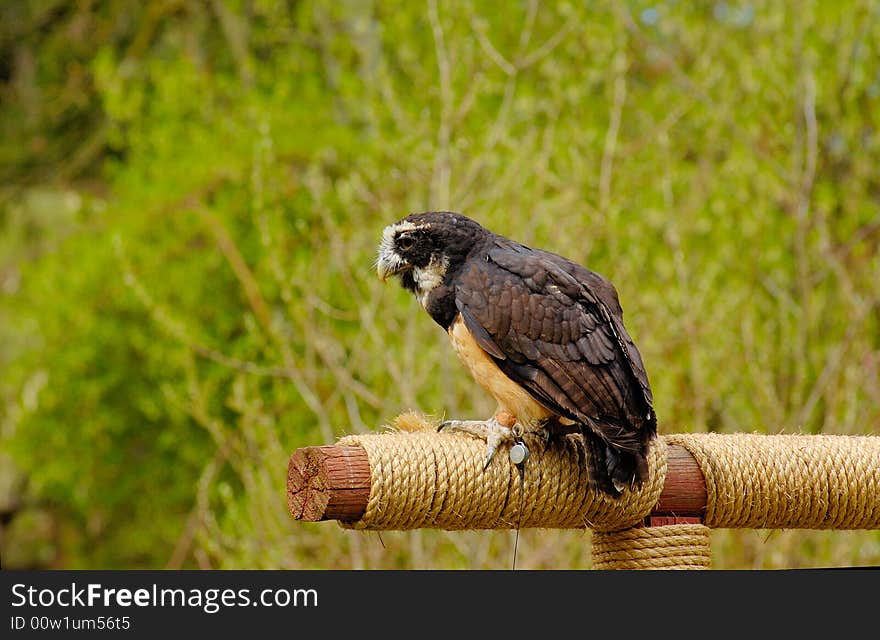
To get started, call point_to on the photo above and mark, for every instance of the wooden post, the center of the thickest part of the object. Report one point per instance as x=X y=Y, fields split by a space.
x=683 y=498
x=328 y=483
x=333 y=483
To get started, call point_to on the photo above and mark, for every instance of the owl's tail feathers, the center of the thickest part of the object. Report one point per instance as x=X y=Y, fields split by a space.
x=615 y=469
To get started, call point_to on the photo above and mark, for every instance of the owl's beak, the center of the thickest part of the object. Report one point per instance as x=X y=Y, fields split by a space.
x=389 y=264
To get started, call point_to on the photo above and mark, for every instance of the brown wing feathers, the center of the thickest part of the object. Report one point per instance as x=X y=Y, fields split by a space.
x=535 y=314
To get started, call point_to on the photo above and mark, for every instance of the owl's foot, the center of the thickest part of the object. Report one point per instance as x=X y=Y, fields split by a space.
x=492 y=431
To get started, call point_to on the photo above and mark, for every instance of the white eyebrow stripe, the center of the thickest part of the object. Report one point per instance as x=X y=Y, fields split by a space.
x=393 y=229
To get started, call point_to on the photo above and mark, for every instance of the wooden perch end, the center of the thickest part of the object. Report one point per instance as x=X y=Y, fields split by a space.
x=328 y=483
x=333 y=483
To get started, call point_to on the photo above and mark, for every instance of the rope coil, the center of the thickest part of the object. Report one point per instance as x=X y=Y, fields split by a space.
x=429 y=479
x=422 y=478
x=788 y=481
x=678 y=546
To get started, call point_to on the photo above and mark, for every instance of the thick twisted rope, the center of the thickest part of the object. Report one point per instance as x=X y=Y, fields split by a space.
x=678 y=546
x=429 y=479
x=788 y=481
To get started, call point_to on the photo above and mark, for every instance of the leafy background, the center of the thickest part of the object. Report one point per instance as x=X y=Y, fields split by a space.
x=191 y=195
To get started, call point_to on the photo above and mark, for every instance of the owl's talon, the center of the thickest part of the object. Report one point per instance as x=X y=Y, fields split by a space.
x=493 y=432
x=448 y=423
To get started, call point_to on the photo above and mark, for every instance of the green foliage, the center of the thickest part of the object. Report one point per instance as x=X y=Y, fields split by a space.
x=187 y=278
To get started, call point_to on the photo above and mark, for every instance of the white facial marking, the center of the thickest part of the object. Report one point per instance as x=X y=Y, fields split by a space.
x=429 y=278
x=426 y=278
x=389 y=261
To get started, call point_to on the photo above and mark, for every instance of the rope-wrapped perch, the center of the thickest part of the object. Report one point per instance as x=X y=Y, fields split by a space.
x=426 y=479
x=788 y=481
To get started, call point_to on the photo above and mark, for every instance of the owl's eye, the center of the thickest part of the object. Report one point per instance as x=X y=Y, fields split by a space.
x=406 y=243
